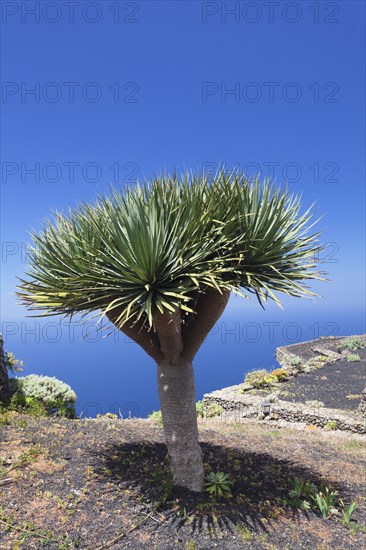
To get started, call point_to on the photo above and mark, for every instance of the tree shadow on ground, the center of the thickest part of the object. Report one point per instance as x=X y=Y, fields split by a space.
x=259 y=493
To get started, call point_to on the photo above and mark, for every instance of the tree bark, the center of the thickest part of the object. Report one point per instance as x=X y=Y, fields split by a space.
x=178 y=407
x=137 y=331
x=173 y=353
x=209 y=308
x=168 y=328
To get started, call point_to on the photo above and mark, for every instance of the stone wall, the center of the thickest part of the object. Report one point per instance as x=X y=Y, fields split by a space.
x=362 y=406
x=245 y=402
x=237 y=407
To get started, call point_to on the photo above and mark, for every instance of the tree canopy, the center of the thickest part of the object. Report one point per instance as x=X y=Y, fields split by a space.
x=152 y=247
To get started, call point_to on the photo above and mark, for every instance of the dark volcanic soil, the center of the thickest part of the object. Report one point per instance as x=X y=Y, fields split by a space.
x=96 y=484
x=338 y=385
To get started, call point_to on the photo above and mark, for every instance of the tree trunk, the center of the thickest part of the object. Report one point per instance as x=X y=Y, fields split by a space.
x=4 y=378
x=174 y=352
x=178 y=407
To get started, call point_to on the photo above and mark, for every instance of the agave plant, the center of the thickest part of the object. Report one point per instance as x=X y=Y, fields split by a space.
x=218 y=483
x=160 y=260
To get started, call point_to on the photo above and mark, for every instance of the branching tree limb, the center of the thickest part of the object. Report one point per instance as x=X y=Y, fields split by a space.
x=139 y=333
x=209 y=308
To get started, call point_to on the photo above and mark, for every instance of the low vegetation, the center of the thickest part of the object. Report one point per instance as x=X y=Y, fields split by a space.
x=305 y=495
x=42 y=396
x=202 y=411
x=331 y=425
x=218 y=484
x=353 y=357
x=296 y=361
x=262 y=378
x=34 y=394
x=352 y=343
x=280 y=375
x=156 y=415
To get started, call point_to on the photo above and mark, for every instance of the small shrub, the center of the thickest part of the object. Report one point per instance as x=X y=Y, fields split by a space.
x=331 y=425
x=352 y=343
x=347 y=512
x=301 y=490
x=245 y=533
x=12 y=364
x=5 y=417
x=260 y=379
x=109 y=415
x=280 y=374
x=200 y=409
x=213 y=410
x=306 y=495
x=353 y=357
x=43 y=395
x=218 y=484
x=156 y=415
x=316 y=362
x=296 y=362
x=34 y=407
x=326 y=502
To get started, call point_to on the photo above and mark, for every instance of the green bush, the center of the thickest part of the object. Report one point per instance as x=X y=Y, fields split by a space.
x=209 y=411
x=8 y=363
x=280 y=374
x=353 y=357
x=305 y=495
x=11 y=363
x=213 y=410
x=323 y=358
x=156 y=415
x=43 y=395
x=331 y=425
x=352 y=344
x=313 y=362
x=260 y=379
x=296 y=362
x=200 y=409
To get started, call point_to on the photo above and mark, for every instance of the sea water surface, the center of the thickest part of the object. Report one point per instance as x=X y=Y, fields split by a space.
x=112 y=374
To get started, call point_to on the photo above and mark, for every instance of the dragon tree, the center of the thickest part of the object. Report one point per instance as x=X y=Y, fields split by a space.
x=160 y=260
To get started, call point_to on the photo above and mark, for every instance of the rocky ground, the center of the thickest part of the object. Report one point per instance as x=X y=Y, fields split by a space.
x=96 y=484
x=324 y=385
x=337 y=384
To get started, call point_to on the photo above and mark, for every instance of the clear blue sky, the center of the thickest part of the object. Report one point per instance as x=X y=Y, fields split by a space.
x=176 y=60
x=127 y=93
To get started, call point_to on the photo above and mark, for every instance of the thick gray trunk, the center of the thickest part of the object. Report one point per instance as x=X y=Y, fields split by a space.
x=178 y=407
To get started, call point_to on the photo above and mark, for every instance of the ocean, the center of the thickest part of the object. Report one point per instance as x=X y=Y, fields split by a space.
x=112 y=374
